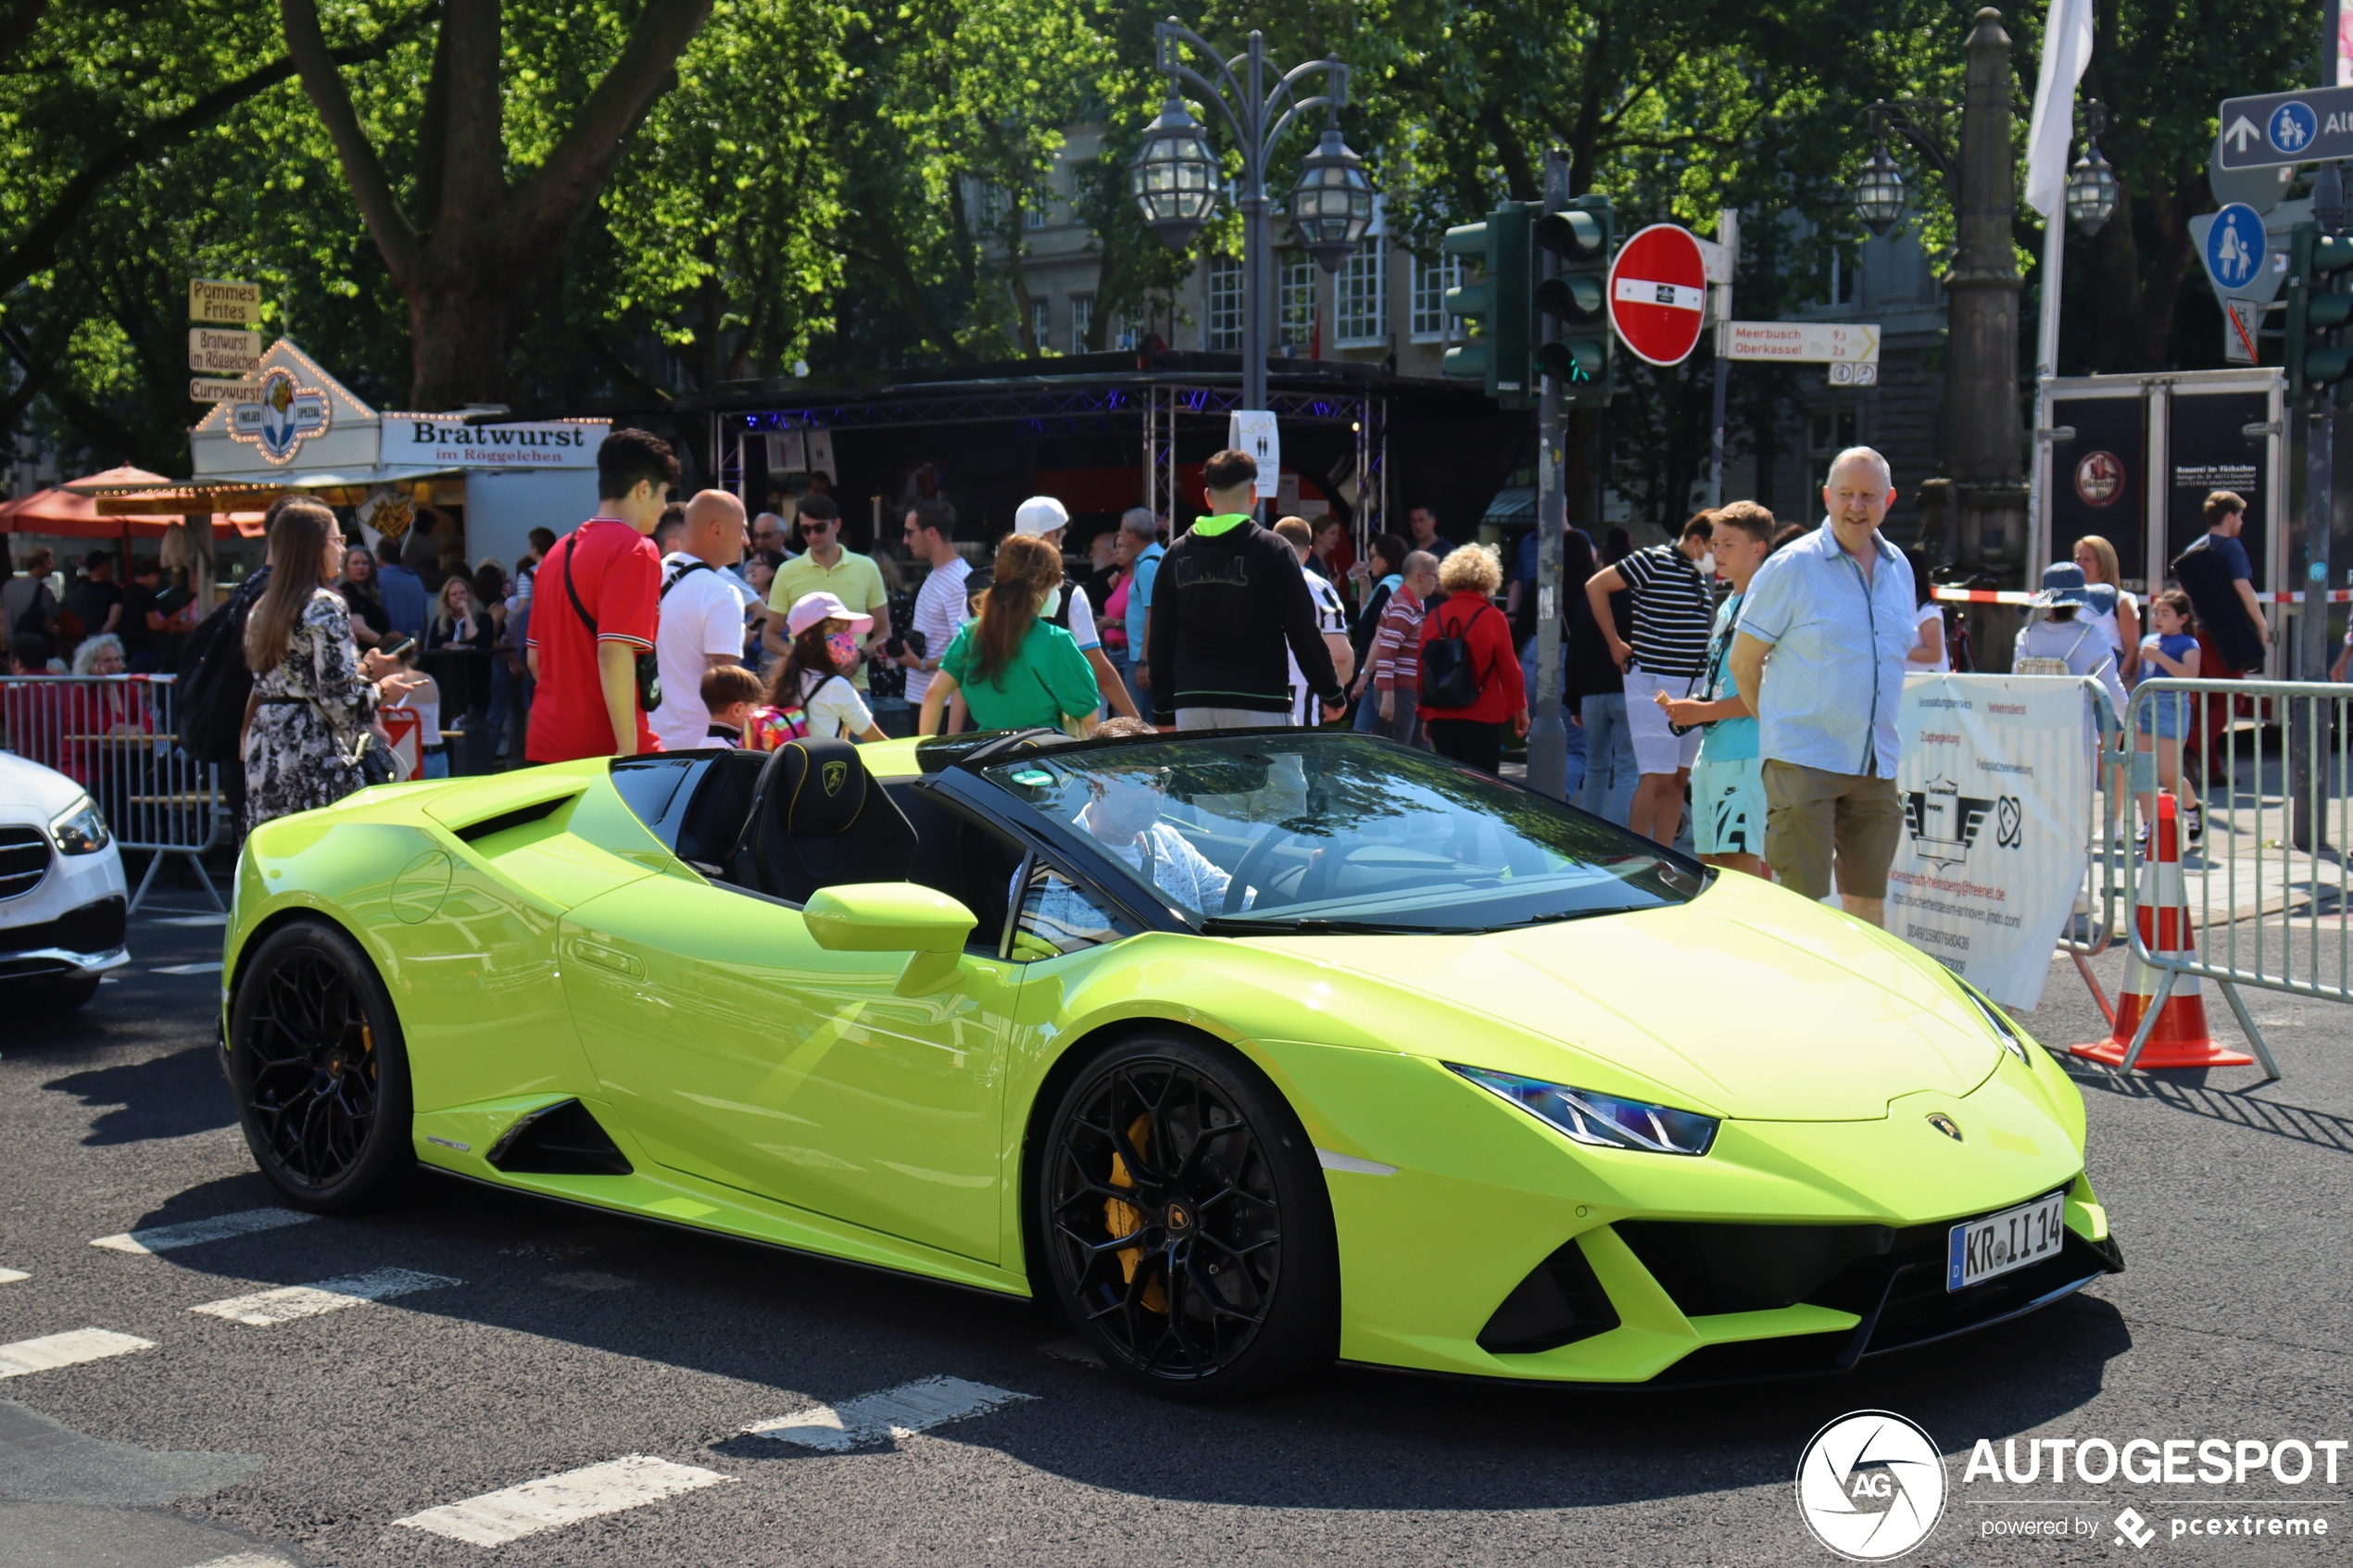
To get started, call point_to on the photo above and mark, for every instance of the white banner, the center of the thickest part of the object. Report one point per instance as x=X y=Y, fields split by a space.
x=1253 y=430
x=1997 y=782
x=448 y=439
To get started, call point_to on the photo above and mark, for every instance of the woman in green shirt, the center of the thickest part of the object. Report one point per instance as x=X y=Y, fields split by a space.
x=1017 y=671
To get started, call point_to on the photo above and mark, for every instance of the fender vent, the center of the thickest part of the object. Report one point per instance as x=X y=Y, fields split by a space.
x=558 y=1140
x=521 y=816
x=1559 y=1303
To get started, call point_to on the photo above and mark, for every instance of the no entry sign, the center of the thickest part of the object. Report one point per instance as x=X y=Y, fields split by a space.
x=1658 y=294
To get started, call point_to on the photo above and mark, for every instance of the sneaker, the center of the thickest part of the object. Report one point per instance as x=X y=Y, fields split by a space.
x=2195 y=823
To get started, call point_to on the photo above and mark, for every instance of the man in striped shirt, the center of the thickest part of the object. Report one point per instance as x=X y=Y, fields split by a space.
x=1396 y=648
x=1674 y=598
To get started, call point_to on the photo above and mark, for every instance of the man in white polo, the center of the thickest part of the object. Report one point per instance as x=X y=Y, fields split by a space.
x=701 y=622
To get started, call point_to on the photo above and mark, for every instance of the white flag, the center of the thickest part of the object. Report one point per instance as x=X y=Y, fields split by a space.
x=2067 y=49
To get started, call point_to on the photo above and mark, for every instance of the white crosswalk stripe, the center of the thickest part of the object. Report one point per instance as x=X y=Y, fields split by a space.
x=264 y=1308
x=66 y=1350
x=894 y=1412
x=247 y=1559
x=163 y=1238
x=10 y=1276
x=495 y=1518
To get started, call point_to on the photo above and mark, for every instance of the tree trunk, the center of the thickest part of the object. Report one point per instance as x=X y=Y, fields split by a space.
x=459 y=335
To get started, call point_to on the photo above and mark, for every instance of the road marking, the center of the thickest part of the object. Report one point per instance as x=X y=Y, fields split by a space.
x=212 y=968
x=249 y=1560
x=895 y=1413
x=66 y=1350
x=265 y=1308
x=195 y=920
x=10 y=1276
x=495 y=1518
x=163 y=1238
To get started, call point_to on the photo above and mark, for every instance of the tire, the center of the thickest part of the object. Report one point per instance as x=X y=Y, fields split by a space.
x=319 y=1071
x=56 y=996
x=1231 y=1287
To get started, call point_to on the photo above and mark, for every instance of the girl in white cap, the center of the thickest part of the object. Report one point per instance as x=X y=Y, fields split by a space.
x=807 y=696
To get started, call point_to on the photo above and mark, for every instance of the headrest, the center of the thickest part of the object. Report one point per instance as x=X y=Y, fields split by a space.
x=813 y=787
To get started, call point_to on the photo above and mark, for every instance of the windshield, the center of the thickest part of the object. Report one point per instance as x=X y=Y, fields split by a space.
x=1333 y=833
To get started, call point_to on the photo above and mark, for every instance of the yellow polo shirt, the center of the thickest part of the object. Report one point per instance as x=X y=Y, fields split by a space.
x=855 y=579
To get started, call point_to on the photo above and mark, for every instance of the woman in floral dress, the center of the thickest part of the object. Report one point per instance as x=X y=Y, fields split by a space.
x=312 y=698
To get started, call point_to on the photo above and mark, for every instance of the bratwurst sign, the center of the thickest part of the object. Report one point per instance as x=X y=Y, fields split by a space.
x=448 y=439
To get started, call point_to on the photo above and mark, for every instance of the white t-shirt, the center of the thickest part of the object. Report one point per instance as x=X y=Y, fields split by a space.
x=1081 y=617
x=1932 y=612
x=701 y=614
x=2101 y=613
x=833 y=706
x=1330 y=616
x=941 y=608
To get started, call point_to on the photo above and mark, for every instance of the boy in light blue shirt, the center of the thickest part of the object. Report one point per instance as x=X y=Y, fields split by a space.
x=1728 y=783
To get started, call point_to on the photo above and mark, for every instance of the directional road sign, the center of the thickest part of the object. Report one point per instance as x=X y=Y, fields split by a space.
x=2306 y=127
x=1658 y=293
x=1816 y=342
x=2259 y=188
x=2261 y=285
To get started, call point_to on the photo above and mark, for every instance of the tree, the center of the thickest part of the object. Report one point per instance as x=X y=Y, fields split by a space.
x=471 y=250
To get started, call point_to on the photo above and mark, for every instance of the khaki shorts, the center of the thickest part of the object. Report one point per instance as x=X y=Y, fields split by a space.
x=1810 y=813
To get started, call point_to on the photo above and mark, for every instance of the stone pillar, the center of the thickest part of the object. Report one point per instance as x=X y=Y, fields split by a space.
x=1984 y=433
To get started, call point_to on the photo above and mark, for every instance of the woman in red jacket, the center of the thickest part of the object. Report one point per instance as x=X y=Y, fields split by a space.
x=1473 y=734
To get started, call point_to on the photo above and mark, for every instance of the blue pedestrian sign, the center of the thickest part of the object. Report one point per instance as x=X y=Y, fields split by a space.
x=2234 y=247
x=2308 y=125
x=2292 y=126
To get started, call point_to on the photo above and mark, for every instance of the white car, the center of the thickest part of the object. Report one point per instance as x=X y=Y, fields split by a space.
x=63 y=901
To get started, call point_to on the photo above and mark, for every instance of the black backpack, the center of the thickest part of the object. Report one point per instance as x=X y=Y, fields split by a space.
x=214 y=681
x=1450 y=671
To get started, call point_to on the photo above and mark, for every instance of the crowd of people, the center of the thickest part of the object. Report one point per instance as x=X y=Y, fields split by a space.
x=1745 y=672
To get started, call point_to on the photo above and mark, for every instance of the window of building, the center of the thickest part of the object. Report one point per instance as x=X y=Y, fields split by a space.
x=1295 y=332
x=1829 y=433
x=1222 y=322
x=1845 y=275
x=1360 y=298
x=1034 y=214
x=1082 y=321
x=1041 y=321
x=1429 y=321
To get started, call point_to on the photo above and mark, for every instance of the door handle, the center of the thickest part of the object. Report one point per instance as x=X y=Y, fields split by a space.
x=608 y=957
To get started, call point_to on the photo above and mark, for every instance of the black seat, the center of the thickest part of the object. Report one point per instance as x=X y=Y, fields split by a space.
x=819 y=819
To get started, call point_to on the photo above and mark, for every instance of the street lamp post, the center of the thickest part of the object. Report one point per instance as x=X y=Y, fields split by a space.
x=1175 y=175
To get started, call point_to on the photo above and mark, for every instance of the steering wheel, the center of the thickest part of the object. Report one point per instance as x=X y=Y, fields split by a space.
x=1254 y=861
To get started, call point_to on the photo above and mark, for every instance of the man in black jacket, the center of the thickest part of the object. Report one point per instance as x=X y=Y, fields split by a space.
x=1226 y=601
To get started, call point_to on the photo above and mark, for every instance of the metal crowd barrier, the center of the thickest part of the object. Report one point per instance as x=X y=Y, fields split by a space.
x=2267 y=883
x=115 y=735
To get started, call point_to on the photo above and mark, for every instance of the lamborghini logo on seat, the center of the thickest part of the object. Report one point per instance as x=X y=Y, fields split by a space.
x=834 y=775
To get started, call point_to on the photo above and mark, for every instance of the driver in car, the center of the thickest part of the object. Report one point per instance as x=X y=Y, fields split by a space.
x=1123 y=813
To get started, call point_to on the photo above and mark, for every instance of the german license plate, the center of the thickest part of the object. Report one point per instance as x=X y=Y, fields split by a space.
x=2014 y=1238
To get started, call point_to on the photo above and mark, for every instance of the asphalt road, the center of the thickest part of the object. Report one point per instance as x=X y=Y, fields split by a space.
x=556 y=1341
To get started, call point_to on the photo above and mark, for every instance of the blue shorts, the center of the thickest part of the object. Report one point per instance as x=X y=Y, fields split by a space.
x=2166 y=715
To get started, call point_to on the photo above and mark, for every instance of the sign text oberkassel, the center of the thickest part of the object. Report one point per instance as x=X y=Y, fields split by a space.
x=1801 y=342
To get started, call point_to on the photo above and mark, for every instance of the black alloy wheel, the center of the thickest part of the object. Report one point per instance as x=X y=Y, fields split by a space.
x=1186 y=1223
x=319 y=1071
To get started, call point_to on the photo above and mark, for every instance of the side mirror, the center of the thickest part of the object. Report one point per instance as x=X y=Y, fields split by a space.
x=894 y=917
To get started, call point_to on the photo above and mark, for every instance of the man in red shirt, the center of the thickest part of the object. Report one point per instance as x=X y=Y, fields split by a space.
x=597 y=608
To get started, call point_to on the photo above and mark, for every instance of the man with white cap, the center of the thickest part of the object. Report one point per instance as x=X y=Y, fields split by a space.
x=1044 y=518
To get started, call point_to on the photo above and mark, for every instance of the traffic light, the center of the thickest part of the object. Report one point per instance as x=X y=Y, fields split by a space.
x=2316 y=308
x=1502 y=302
x=1582 y=355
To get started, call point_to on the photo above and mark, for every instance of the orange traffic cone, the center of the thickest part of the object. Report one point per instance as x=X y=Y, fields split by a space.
x=2179 y=1037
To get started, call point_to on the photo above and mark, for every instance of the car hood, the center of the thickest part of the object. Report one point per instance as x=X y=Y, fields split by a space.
x=31 y=793
x=1749 y=1002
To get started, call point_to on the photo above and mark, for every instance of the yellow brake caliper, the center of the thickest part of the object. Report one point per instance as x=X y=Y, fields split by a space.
x=1126 y=1218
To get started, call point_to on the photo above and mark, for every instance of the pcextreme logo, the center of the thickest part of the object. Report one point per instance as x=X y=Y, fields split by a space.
x=1870 y=1486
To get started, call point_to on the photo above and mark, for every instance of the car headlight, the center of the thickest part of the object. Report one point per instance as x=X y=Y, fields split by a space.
x=1602 y=1121
x=1998 y=1021
x=81 y=830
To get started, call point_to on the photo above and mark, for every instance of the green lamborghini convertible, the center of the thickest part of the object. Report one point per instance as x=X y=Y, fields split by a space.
x=1250 y=1051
